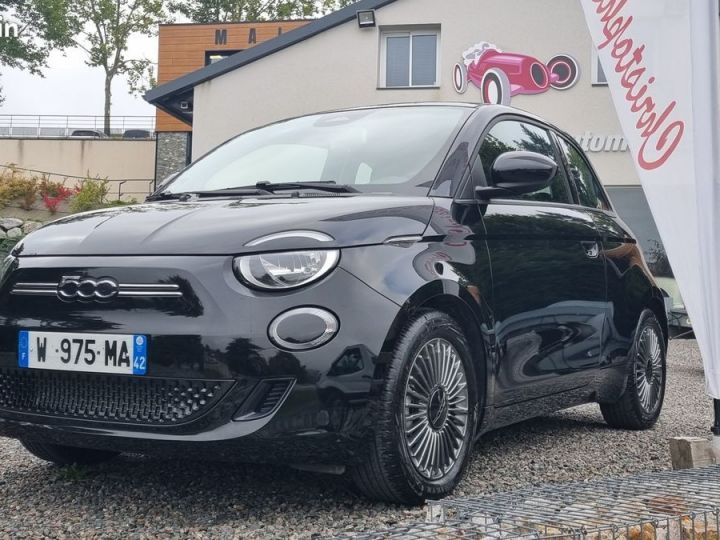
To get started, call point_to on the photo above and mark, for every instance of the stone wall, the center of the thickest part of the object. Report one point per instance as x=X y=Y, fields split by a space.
x=172 y=153
x=15 y=228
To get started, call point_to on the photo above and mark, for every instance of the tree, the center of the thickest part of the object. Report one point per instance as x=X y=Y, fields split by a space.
x=104 y=31
x=42 y=26
x=326 y=6
x=224 y=11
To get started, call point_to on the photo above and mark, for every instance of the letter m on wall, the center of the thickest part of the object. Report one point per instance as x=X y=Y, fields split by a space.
x=221 y=37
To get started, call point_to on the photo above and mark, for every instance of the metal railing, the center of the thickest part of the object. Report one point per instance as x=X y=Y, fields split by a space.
x=137 y=188
x=57 y=126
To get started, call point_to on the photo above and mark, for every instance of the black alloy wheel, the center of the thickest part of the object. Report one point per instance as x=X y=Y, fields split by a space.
x=641 y=403
x=427 y=415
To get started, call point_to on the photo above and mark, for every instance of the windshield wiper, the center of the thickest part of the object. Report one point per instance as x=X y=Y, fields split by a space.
x=232 y=192
x=330 y=186
x=261 y=188
x=162 y=196
x=229 y=192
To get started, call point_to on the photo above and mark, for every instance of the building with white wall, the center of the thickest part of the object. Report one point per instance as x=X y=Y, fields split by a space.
x=535 y=54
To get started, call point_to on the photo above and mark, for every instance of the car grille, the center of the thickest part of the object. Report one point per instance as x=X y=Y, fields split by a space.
x=130 y=400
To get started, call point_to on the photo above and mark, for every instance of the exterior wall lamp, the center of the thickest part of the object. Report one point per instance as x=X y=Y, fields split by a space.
x=366 y=19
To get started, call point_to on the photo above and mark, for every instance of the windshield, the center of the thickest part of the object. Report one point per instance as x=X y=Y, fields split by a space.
x=397 y=150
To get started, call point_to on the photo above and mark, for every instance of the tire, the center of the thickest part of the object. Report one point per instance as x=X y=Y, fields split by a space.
x=495 y=88
x=460 y=80
x=641 y=403
x=67 y=455
x=395 y=470
x=566 y=68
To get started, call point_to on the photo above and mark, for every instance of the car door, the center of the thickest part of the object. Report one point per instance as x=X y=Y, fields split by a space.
x=593 y=200
x=548 y=275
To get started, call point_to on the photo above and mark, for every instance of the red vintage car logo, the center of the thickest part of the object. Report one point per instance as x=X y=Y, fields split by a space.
x=500 y=75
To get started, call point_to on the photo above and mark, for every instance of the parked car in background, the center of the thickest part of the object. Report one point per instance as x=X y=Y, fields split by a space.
x=87 y=134
x=137 y=134
x=369 y=289
x=678 y=319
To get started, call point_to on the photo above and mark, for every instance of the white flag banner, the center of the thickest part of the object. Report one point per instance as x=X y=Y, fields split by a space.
x=661 y=62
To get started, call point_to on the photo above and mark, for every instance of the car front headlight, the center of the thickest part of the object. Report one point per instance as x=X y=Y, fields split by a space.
x=285 y=270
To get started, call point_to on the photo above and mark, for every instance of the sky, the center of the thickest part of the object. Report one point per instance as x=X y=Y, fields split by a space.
x=72 y=88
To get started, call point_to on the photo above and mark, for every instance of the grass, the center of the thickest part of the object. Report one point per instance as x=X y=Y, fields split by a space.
x=73 y=473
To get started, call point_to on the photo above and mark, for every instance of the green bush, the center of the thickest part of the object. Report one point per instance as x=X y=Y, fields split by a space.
x=6 y=245
x=90 y=195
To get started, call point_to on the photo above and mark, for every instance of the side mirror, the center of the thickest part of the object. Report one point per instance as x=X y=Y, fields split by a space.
x=517 y=173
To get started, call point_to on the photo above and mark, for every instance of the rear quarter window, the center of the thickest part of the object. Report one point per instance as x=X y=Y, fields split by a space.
x=587 y=185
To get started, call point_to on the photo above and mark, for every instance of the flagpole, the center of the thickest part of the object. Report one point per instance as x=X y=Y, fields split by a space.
x=715 y=444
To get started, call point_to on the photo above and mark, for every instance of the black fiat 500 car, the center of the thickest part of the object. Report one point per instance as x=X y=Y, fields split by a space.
x=367 y=290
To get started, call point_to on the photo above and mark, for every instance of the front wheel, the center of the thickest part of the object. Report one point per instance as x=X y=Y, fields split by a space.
x=641 y=403
x=427 y=415
x=496 y=88
x=67 y=455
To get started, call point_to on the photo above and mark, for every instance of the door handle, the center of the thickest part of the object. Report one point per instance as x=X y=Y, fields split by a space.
x=592 y=249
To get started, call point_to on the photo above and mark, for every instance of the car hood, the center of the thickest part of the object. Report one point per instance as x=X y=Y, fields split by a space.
x=214 y=227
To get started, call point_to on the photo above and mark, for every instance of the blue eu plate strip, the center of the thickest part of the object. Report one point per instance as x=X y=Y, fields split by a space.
x=139 y=355
x=24 y=349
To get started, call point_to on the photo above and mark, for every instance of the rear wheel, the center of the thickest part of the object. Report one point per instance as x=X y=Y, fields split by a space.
x=428 y=412
x=460 y=80
x=67 y=455
x=641 y=403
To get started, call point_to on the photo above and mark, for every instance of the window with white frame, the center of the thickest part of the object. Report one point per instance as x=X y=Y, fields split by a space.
x=410 y=59
x=598 y=74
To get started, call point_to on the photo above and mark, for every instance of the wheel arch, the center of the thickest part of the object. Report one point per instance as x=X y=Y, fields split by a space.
x=469 y=312
x=656 y=304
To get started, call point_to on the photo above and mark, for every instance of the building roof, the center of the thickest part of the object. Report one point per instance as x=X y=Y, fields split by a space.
x=163 y=96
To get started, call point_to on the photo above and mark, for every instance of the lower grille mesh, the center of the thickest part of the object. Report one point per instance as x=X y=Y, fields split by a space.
x=130 y=400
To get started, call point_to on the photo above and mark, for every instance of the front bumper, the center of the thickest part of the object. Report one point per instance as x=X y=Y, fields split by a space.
x=213 y=341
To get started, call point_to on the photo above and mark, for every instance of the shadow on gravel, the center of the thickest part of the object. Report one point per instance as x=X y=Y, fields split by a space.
x=192 y=493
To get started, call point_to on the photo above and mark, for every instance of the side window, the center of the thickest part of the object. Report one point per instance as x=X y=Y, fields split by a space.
x=510 y=136
x=587 y=185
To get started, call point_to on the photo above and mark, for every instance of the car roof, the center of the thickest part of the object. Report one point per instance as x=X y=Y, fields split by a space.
x=494 y=110
x=490 y=110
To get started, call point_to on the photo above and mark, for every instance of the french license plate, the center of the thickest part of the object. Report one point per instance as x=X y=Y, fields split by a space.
x=95 y=353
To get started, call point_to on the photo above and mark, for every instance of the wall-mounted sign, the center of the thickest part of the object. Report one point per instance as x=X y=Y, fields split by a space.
x=500 y=75
x=594 y=142
x=9 y=29
x=221 y=35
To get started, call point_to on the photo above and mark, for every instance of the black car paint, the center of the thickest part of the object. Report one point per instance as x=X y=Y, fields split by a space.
x=550 y=327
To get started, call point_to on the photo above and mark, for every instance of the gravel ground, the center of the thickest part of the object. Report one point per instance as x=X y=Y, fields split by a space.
x=136 y=497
